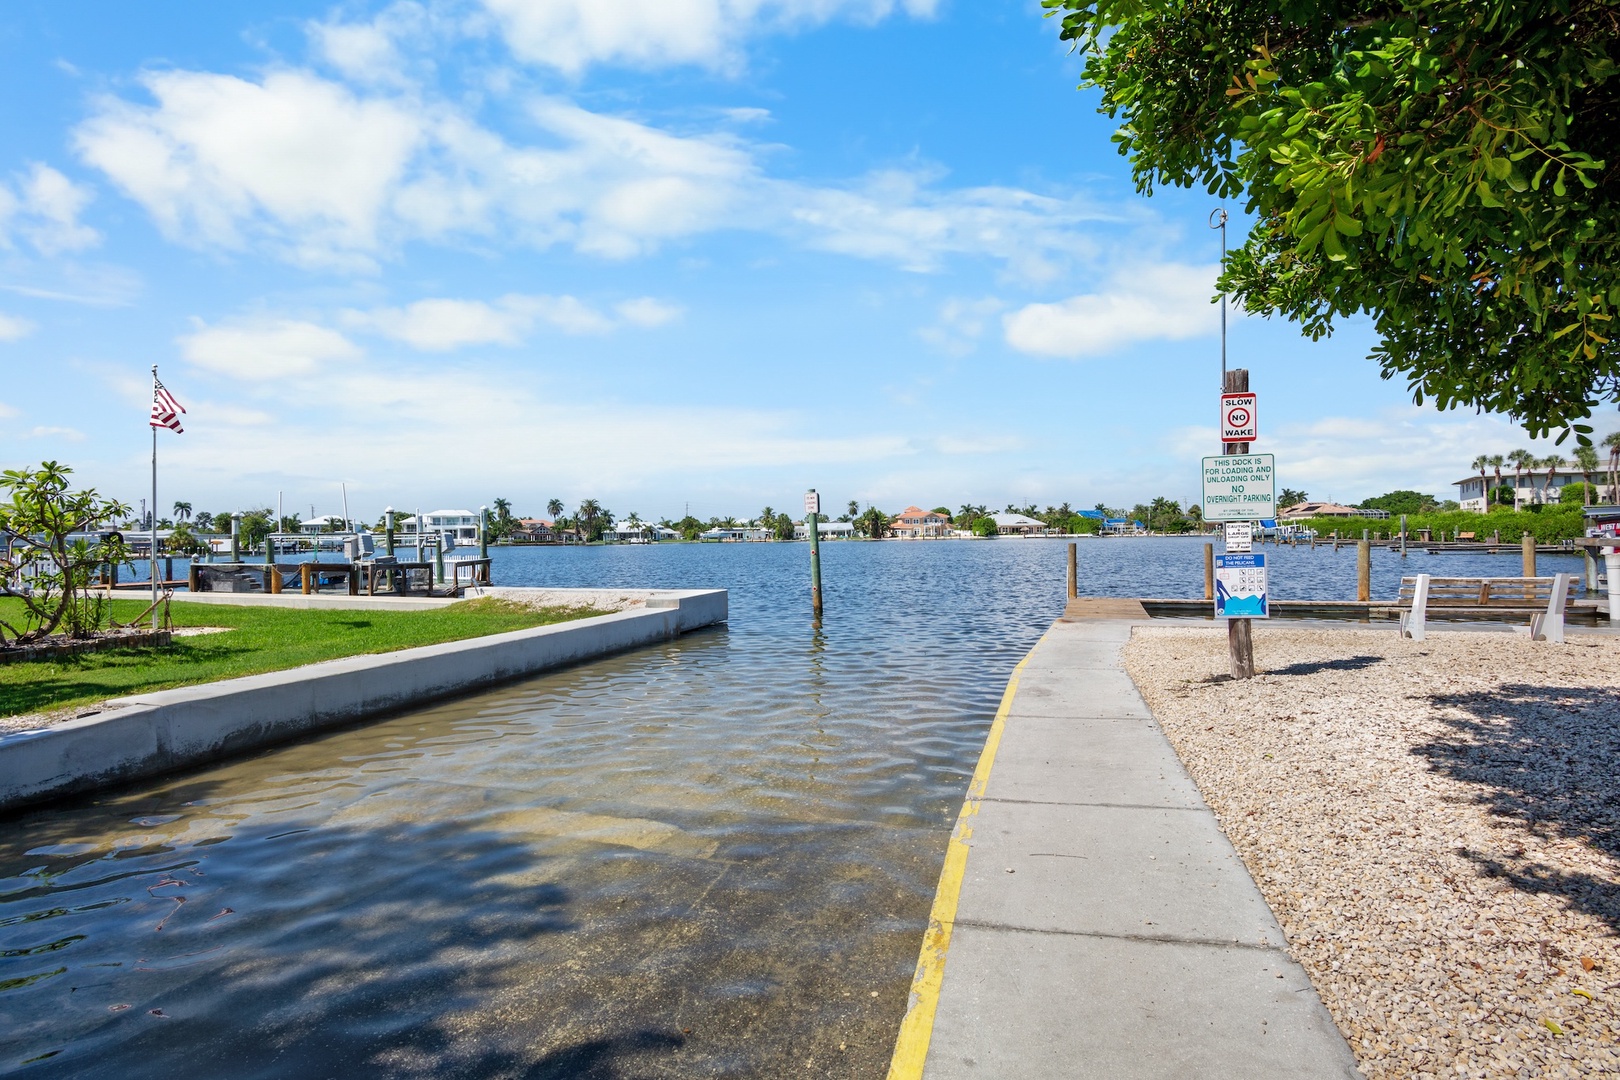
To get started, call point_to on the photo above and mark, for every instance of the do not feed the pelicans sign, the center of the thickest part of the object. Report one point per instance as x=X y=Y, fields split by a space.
x=1240 y=487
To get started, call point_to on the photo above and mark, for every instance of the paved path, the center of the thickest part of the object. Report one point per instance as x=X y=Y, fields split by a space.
x=1092 y=919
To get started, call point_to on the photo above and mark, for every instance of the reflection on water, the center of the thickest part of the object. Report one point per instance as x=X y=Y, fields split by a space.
x=709 y=858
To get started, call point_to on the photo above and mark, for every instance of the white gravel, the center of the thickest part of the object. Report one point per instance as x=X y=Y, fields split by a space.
x=1435 y=824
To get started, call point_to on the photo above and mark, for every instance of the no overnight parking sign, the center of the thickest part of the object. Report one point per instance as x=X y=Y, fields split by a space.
x=1240 y=487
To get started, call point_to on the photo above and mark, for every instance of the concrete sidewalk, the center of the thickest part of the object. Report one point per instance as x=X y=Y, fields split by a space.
x=1093 y=920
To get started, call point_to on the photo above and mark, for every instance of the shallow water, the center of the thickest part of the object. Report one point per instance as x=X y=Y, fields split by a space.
x=709 y=858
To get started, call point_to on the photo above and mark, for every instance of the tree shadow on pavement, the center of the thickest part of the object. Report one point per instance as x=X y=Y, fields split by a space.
x=1546 y=759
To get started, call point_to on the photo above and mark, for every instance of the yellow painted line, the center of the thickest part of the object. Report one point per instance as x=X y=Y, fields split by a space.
x=917 y=1029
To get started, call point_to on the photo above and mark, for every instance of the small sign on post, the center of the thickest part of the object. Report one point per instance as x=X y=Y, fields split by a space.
x=1239 y=537
x=1239 y=417
x=812 y=502
x=1240 y=587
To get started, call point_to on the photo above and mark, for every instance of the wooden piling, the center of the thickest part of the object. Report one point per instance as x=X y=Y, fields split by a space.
x=1364 y=571
x=1209 y=571
x=1528 y=546
x=1074 y=571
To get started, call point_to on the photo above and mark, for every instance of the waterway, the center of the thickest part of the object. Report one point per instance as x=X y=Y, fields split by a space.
x=713 y=857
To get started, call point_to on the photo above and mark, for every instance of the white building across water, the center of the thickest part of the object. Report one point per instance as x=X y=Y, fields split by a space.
x=460 y=525
x=1530 y=487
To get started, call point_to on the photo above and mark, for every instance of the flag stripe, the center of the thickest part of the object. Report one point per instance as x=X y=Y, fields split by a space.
x=165 y=410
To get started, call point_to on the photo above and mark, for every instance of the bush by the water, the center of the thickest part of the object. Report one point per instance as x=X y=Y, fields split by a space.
x=1548 y=524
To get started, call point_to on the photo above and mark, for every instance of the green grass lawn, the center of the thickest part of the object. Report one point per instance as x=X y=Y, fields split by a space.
x=260 y=639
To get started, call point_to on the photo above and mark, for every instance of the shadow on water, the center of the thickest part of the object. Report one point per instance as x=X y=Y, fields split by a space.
x=1541 y=758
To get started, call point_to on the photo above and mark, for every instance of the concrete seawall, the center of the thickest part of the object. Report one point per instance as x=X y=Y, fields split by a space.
x=150 y=734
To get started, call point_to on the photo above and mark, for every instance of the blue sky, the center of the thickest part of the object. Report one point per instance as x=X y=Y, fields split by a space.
x=657 y=252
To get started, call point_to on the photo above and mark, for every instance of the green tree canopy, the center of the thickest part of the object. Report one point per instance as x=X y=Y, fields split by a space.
x=1447 y=167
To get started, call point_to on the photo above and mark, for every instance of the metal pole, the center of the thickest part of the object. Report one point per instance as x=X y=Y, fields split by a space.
x=815 y=562
x=1217 y=220
x=154 y=508
x=388 y=531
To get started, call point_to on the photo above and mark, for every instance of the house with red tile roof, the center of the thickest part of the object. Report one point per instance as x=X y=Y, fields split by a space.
x=915 y=523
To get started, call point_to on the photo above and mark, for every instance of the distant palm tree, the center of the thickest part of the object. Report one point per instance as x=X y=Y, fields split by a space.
x=1522 y=459
x=182 y=510
x=1553 y=462
x=1587 y=459
x=1480 y=463
x=587 y=517
x=1612 y=441
x=555 y=508
x=854 y=509
x=1496 y=462
x=503 y=509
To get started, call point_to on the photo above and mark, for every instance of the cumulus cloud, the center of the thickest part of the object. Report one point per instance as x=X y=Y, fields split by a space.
x=42 y=206
x=571 y=35
x=437 y=325
x=13 y=328
x=263 y=349
x=1170 y=302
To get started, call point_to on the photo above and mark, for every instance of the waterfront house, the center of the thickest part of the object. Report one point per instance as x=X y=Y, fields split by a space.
x=534 y=531
x=915 y=523
x=1316 y=509
x=646 y=534
x=459 y=525
x=323 y=524
x=1122 y=527
x=825 y=530
x=1531 y=487
x=1020 y=525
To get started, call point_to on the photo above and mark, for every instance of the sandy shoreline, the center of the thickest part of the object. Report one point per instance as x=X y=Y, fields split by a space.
x=1435 y=824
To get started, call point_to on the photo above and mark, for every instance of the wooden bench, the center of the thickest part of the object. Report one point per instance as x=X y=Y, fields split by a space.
x=1543 y=599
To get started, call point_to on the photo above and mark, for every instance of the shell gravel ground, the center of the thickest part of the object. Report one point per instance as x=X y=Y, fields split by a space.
x=1436 y=825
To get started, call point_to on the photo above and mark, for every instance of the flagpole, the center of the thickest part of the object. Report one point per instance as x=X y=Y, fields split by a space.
x=154 y=508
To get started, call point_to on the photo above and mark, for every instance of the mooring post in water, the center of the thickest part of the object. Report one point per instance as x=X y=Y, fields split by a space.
x=812 y=509
x=236 y=538
x=483 y=532
x=1403 y=536
x=1528 y=547
x=1364 y=570
x=1074 y=571
x=1239 y=632
x=1209 y=571
x=388 y=532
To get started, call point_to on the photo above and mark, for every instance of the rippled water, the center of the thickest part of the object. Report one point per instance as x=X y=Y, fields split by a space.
x=709 y=858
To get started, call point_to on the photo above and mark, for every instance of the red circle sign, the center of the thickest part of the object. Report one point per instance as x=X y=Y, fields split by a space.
x=1237 y=417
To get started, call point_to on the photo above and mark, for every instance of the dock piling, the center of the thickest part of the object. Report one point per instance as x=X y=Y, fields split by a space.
x=1074 y=576
x=1364 y=571
x=1209 y=572
x=1528 y=545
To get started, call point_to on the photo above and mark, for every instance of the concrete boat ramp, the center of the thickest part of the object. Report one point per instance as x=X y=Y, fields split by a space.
x=1092 y=919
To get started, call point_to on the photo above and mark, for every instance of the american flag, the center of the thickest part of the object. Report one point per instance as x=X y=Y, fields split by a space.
x=165 y=410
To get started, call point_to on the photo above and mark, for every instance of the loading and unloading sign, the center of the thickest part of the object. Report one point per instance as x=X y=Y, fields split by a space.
x=1240 y=487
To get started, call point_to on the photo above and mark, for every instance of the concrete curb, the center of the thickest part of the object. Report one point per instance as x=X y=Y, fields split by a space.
x=151 y=734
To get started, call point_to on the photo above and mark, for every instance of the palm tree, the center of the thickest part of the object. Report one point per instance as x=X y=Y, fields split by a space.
x=1612 y=441
x=182 y=510
x=555 y=509
x=1496 y=462
x=1553 y=462
x=587 y=517
x=503 y=510
x=854 y=509
x=1480 y=463
x=767 y=518
x=1522 y=459
x=1587 y=459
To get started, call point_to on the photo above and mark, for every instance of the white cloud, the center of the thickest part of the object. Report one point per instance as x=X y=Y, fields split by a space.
x=263 y=349
x=648 y=312
x=13 y=328
x=302 y=158
x=323 y=176
x=46 y=432
x=44 y=209
x=1170 y=302
x=570 y=35
x=439 y=324
x=7 y=410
